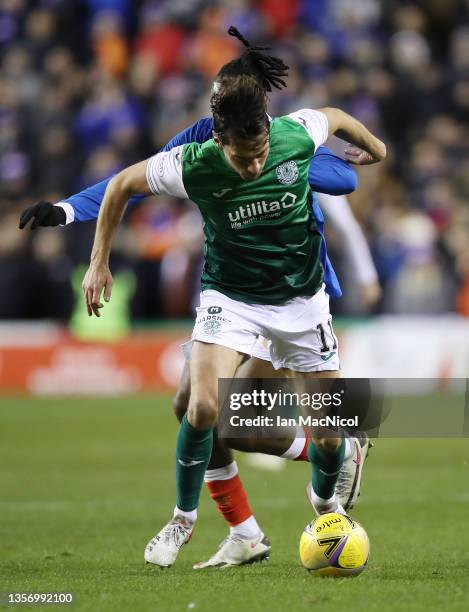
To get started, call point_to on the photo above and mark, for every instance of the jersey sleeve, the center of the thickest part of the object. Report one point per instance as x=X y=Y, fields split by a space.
x=85 y=205
x=200 y=131
x=314 y=122
x=164 y=173
x=331 y=174
x=340 y=216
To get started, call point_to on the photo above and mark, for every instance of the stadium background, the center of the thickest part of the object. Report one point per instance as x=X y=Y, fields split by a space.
x=87 y=87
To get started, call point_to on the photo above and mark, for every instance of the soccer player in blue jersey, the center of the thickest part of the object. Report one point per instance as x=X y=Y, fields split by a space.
x=86 y=205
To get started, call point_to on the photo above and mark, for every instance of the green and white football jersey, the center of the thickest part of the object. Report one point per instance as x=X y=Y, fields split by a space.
x=262 y=245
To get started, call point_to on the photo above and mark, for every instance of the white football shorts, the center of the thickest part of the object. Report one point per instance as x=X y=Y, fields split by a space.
x=297 y=334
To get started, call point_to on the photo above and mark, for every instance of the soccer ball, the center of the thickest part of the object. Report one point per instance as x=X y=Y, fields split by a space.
x=334 y=545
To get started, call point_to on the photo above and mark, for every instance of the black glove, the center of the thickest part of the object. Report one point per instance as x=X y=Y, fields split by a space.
x=44 y=214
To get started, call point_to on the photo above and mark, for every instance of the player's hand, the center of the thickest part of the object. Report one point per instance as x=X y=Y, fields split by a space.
x=97 y=279
x=43 y=214
x=359 y=157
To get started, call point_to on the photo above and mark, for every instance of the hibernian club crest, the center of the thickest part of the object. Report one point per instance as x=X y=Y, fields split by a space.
x=212 y=327
x=287 y=173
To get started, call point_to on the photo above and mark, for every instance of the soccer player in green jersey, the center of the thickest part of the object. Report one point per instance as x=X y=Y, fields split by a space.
x=262 y=272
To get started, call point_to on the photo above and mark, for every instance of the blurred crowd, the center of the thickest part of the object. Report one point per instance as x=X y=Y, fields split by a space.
x=88 y=87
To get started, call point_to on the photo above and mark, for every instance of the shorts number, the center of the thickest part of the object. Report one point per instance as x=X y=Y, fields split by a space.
x=324 y=347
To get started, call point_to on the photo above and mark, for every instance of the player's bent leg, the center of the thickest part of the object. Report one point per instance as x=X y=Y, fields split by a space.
x=243 y=544
x=193 y=447
x=294 y=441
x=303 y=341
x=221 y=453
x=295 y=444
x=326 y=454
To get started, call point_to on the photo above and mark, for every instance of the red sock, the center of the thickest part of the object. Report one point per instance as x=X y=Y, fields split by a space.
x=231 y=499
x=303 y=456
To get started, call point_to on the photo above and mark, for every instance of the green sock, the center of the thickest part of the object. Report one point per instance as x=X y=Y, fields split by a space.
x=193 y=450
x=325 y=467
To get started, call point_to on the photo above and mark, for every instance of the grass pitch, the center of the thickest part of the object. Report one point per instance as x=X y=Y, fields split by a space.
x=85 y=483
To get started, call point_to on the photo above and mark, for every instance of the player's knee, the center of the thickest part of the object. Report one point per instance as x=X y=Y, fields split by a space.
x=203 y=412
x=180 y=403
x=328 y=445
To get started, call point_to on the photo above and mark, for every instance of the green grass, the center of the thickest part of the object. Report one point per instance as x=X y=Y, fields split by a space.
x=85 y=483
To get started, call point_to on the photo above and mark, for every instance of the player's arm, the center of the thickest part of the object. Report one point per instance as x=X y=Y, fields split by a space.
x=85 y=205
x=119 y=190
x=339 y=214
x=370 y=149
x=325 y=122
x=331 y=174
x=161 y=174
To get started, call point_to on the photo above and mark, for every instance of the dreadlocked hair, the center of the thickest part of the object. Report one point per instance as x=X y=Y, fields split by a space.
x=239 y=97
x=268 y=70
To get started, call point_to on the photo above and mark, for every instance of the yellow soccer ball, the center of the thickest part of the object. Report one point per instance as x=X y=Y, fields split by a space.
x=334 y=545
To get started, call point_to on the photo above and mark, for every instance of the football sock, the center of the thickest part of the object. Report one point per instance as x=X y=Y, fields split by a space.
x=325 y=468
x=189 y=517
x=247 y=529
x=298 y=450
x=193 y=450
x=320 y=501
x=227 y=491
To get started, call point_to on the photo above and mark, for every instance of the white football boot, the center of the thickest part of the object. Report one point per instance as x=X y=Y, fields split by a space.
x=348 y=484
x=321 y=506
x=235 y=550
x=163 y=549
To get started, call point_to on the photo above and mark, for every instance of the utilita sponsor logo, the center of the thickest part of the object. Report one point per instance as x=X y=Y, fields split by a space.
x=258 y=211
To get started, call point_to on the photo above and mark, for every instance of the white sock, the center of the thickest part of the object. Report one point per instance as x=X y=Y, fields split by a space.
x=247 y=529
x=189 y=517
x=297 y=445
x=320 y=501
x=224 y=473
x=348 y=449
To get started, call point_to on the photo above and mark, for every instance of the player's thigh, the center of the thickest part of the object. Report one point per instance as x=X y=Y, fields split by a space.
x=208 y=363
